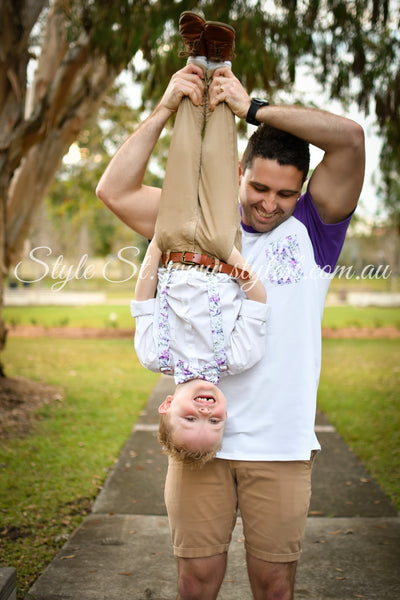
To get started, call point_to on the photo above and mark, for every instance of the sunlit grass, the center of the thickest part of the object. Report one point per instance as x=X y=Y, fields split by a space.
x=339 y=317
x=118 y=316
x=100 y=316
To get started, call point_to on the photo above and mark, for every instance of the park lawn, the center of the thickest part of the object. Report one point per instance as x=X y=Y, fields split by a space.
x=118 y=316
x=360 y=392
x=50 y=477
x=342 y=317
x=99 y=316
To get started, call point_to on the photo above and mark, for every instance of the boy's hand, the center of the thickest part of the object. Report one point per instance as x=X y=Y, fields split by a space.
x=186 y=82
x=225 y=87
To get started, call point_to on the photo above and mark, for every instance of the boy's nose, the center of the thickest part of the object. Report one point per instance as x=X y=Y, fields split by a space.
x=204 y=410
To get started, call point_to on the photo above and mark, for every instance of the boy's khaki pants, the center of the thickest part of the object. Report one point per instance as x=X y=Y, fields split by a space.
x=199 y=210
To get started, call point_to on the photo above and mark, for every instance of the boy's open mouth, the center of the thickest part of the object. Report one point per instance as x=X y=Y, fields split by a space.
x=206 y=400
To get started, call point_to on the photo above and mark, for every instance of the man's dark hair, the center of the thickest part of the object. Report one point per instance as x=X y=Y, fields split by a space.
x=274 y=144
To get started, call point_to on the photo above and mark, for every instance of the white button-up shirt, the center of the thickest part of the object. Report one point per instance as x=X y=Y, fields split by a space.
x=244 y=323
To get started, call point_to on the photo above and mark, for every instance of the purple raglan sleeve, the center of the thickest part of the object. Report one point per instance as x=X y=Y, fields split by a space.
x=327 y=239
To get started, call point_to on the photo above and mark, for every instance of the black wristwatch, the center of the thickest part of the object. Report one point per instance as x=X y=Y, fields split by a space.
x=256 y=103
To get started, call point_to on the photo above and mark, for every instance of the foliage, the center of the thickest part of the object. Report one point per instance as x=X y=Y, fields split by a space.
x=356 y=56
x=352 y=49
x=71 y=197
x=389 y=188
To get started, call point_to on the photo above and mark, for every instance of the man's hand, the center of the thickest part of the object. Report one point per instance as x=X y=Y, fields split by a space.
x=186 y=82
x=225 y=87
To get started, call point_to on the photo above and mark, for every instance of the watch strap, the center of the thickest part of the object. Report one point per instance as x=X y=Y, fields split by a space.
x=255 y=104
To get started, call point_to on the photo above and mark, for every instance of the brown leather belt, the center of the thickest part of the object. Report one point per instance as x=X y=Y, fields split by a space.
x=192 y=258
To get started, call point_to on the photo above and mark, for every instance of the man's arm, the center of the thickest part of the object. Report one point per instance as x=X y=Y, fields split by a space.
x=121 y=186
x=148 y=275
x=253 y=288
x=336 y=183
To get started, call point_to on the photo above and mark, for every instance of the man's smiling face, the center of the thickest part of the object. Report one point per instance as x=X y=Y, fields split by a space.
x=268 y=193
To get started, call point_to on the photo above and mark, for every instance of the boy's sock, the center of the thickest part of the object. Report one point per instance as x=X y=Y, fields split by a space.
x=208 y=65
x=219 y=65
x=201 y=61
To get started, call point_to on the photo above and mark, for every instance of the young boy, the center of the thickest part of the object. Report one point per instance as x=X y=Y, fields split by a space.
x=209 y=315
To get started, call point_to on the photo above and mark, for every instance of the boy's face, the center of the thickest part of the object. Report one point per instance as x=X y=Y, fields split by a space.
x=197 y=414
x=269 y=193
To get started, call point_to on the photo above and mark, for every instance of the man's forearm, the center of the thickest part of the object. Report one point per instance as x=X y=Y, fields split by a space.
x=320 y=128
x=147 y=279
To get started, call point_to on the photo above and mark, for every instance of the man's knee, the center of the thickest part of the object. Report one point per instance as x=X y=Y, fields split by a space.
x=271 y=581
x=200 y=578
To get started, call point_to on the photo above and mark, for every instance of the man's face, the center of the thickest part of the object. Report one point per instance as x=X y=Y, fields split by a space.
x=268 y=193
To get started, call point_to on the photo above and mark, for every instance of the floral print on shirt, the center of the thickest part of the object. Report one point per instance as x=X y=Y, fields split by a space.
x=284 y=261
x=217 y=328
x=184 y=371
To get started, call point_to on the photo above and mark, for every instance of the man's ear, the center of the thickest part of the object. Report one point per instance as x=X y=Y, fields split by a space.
x=240 y=171
x=162 y=409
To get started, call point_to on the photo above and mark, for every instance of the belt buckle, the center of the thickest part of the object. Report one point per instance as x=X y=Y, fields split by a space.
x=167 y=370
x=184 y=261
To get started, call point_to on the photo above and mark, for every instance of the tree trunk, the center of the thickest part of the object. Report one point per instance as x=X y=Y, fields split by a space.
x=35 y=133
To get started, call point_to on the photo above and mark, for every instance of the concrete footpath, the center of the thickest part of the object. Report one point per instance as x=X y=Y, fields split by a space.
x=122 y=550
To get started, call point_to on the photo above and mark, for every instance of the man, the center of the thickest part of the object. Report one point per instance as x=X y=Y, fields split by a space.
x=264 y=467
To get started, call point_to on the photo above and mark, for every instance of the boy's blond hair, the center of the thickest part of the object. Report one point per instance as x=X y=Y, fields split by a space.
x=180 y=453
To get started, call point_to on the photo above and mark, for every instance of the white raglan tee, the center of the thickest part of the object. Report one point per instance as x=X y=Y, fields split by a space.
x=271 y=407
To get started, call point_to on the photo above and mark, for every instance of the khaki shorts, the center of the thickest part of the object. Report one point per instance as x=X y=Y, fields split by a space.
x=273 y=499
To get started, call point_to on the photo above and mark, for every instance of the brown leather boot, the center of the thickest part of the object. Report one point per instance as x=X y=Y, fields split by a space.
x=191 y=28
x=220 y=41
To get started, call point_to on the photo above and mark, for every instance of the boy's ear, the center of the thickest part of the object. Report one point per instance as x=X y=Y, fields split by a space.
x=162 y=409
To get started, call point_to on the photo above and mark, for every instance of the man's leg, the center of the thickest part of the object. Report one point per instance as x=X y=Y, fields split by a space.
x=201 y=505
x=200 y=578
x=273 y=500
x=271 y=581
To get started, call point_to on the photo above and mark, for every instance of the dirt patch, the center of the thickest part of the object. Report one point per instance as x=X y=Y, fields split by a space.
x=19 y=398
x=362 y=332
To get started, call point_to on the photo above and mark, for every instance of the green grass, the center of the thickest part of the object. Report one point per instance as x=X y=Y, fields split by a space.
x=97 y=316
x=360 y=392
x=339 y=317
x=49 y=478
x=117 y=315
